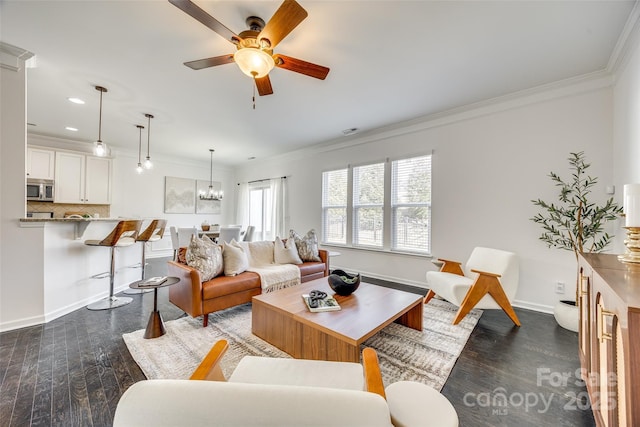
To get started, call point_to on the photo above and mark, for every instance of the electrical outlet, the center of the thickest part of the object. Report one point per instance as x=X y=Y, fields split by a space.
x=559 y=287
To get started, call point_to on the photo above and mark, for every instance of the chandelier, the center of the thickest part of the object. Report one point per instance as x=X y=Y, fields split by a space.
x=211 y=193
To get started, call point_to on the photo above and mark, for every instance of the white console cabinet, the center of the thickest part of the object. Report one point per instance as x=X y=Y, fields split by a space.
x=82 y=179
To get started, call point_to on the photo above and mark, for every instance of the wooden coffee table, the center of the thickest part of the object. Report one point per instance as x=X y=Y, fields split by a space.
x=281 y=318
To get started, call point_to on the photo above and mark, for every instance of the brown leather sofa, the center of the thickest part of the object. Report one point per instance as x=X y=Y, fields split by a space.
x=197 y=298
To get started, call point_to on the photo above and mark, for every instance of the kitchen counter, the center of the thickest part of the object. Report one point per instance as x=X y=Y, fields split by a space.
x=81 y=224
x=70 y=219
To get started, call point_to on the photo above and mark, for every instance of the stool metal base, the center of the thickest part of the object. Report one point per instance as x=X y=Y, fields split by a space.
x=109 y=303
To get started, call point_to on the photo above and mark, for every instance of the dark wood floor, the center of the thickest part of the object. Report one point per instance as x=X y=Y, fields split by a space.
x=73 y=370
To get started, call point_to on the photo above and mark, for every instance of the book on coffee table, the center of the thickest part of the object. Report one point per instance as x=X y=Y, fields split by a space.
x=328 y=303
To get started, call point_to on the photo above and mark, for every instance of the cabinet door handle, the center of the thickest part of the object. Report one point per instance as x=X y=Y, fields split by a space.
x=602 y=335
x=582 y=280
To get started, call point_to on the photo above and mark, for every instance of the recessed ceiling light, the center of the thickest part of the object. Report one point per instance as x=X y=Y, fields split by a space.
x=76 y=100
x=71 y=129
x=350 y=131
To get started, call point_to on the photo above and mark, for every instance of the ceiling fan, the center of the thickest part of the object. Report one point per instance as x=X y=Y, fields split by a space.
x=255 y=46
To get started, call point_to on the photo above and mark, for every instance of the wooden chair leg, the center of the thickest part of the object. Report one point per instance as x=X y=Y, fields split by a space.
x=486 y=284
x=205 y=320
x=428 y=297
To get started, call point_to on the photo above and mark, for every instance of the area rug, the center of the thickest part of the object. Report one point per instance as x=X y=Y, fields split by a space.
x=425 y=356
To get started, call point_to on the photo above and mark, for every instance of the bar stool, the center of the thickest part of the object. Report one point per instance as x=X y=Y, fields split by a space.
x=124 y=234
x=153 y=233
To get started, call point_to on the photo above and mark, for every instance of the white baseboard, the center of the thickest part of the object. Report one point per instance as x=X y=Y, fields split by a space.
x=21 y=323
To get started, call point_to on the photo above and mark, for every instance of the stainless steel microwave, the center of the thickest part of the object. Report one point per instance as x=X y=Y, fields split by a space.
x=39 y=190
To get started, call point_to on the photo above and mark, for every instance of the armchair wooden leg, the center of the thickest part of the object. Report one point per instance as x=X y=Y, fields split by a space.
x=486 y=284
x=428 y=297
x=205 y=320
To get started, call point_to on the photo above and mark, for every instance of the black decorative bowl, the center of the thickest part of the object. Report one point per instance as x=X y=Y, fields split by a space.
x=343 y=283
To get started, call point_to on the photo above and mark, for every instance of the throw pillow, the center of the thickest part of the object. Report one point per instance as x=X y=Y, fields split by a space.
x=286 y=253
x=307 y=245
x=235 y=259
x=205 y=256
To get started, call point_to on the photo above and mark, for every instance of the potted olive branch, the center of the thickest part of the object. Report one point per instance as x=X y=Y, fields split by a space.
x=574 y=223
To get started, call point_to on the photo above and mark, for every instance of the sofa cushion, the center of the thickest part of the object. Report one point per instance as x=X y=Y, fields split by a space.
x=227 y=285
x=235 y=258
x=300 y=372
x=286 y=253
x=205 y=256
x=309 y=268
x=307 y=245
x=260 y=252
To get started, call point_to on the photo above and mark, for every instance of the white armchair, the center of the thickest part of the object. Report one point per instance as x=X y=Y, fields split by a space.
x=489 y=281
x=264 y=391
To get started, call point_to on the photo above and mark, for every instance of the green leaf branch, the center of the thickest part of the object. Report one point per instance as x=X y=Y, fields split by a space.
x=574 y=223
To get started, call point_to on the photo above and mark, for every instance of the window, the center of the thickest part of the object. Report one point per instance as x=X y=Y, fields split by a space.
x=334 y=206
x=383 y=206
x=411 y=204
x=260 y=212
x=368 y=205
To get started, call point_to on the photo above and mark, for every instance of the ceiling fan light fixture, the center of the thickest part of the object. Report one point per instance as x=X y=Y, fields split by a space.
x=254 y=62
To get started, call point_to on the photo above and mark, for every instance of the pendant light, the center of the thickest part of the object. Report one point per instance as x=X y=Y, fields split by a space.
x=139 y=169
x=147 y=162
x=211 y=194
x=99 y=147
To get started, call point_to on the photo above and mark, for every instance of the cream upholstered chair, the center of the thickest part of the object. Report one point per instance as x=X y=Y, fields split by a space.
x=227 y=234
x=284 y=392
x=248 y=235
x=180 y=238
x=489 y=280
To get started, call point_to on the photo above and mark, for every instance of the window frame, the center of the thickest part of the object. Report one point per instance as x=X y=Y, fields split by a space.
x=389 y=228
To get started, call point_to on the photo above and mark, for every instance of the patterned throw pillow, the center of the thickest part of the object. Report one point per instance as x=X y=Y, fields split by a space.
x=286 y=253
x=235 y=258
x=307 y=245
x=205 y=256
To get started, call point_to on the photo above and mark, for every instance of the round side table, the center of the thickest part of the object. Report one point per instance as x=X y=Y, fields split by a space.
x=155 y=326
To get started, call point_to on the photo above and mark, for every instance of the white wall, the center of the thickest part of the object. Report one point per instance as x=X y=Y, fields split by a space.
x=626 y=148
x=20 y=293
x=487 y=166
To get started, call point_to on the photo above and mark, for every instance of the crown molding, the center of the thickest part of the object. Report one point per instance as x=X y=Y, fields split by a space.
x=628 y=39
x=559 y=89
x=12 y=57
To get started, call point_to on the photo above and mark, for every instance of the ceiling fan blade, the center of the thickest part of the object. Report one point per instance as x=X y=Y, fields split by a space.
x=190 y=8
x=286 y=18
x=300 y=66
x=264 y=86
x=210 y=62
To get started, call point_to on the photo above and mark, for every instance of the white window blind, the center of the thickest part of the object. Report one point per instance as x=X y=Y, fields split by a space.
x=334 y=206
x=411 y=204
x=368 y=205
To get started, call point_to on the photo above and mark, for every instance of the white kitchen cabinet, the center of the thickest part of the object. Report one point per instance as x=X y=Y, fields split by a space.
x=40 y=163
x=82 y=179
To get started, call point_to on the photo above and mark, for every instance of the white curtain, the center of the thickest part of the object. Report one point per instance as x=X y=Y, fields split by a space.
x=279 y=212
x=242 y=210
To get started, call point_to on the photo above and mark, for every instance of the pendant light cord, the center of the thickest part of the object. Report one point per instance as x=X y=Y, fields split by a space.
x=100 y=119
x=149 y=116
x=211 y=171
